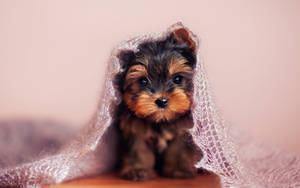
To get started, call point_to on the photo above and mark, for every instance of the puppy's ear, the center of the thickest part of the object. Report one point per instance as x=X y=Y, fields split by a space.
x=182 y=37
x=126 y=58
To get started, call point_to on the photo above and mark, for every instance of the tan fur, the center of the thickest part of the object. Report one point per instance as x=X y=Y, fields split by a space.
x=178 y=65
x=145 y=106
x=127 y=99
x=136 y=71
x=179 y=102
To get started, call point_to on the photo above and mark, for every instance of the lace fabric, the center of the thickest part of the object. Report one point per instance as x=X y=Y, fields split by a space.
x=235 y=157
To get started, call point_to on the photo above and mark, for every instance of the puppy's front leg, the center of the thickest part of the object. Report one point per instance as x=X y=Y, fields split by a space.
x=180 y=157
x=138 y=160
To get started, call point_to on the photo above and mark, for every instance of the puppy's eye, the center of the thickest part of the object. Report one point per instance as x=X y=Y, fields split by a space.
x=177 y=79
x=143 y=81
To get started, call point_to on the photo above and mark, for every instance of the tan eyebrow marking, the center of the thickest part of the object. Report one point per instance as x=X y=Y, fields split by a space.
x=178 y=65
x=136 y=71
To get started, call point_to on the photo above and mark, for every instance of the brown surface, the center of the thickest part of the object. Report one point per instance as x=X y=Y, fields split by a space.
x=112 y=181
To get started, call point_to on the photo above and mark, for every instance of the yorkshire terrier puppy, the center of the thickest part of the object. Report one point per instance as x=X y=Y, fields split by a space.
x=154 y=116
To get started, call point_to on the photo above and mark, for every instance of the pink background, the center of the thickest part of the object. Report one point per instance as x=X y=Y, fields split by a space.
x=53 y=54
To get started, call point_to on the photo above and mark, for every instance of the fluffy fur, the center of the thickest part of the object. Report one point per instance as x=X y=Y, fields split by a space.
x=156 y=87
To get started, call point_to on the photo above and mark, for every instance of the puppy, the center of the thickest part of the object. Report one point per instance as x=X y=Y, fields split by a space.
x=154 y=115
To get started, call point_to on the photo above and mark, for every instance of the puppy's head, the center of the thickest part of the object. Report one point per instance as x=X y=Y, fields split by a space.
x=156 y=83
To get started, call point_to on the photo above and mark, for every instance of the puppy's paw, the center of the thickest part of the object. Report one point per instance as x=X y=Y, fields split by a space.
x=138 y=174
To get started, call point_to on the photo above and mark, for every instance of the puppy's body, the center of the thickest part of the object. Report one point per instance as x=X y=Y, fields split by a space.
x=154 y=116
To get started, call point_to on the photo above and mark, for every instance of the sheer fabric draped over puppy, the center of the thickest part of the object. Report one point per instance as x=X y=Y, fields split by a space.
x=235 y=157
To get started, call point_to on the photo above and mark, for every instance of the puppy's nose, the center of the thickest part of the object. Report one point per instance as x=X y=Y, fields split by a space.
x=161 y=102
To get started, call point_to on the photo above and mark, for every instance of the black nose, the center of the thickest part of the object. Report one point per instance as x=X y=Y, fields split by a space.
x=161 y=102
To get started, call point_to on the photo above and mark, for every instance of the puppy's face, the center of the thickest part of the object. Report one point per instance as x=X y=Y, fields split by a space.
x=157 y=82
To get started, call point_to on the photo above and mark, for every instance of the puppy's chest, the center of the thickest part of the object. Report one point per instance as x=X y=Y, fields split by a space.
x=157 y=136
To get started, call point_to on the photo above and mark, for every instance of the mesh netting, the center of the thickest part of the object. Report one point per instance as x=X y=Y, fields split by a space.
x=235 y=157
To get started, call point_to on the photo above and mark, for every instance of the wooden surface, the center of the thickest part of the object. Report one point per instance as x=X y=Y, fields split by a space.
x=112 y=181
